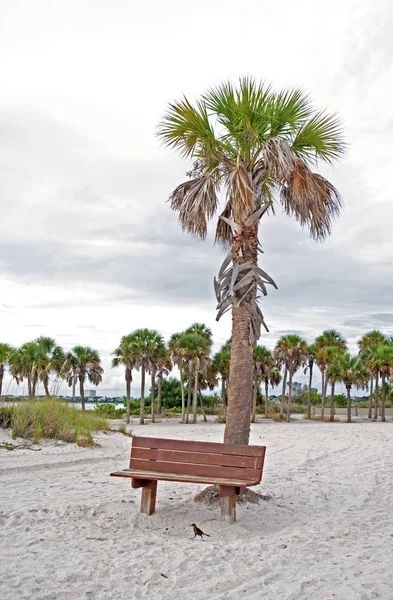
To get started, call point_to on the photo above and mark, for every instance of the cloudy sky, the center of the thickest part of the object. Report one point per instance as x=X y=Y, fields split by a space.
x=89 y=250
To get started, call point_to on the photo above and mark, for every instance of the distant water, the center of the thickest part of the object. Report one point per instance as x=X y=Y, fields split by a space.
x=92 y=405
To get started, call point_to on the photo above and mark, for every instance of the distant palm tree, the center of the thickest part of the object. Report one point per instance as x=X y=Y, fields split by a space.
x=252 y=142
x=328 y=338
x=369 y=340
x=195 y=349
x=383 y=361
x=176 y=353
x=292 y=349
x=274 y=380
x=331 y=352
x=351 y=371
x=84 y=363
x=263 y=363
x=125 y=355
x=311 y=351
x=147 y=345
x=25 y=363
x=221 y=362
x=5 y=353
x=164 y=366
x=51 y=361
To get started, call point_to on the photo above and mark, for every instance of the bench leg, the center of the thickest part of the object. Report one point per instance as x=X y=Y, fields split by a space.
x=149 y=493
x=228 y=496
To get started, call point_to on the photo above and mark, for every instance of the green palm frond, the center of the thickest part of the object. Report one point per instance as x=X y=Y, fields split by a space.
x=321 y=137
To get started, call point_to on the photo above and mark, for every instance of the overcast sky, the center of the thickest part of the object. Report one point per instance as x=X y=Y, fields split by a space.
x=89 y=250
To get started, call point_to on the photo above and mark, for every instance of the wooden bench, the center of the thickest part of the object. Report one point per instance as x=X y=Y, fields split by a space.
x=230 y=466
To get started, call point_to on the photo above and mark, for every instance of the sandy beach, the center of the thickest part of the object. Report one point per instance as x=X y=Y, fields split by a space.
x=70 y=532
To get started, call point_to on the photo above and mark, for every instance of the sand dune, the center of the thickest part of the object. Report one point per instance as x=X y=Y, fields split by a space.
x=70 y=532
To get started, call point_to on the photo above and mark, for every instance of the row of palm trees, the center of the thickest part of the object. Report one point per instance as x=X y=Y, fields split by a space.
x=190 y=351
x=38 y=360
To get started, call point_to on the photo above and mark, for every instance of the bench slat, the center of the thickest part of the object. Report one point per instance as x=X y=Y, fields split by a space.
x=228 y=460
x=192 y=446
x=140 y=464
x=182 y=478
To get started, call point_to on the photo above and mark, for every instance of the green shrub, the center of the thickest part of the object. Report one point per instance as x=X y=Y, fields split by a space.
x=109 y=411
x=49 y=418
x=6 y=413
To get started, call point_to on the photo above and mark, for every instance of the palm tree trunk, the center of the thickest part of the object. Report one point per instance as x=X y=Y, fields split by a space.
x=1 y=378
x=29 y=386
x=266 y=397
x=183 y=400
x=376 y=396
x=254 y=402
x=159 y=393
x=128 y=392
x=237 y=428
x=195 y=397
x=323 y=395
x=142 y=404
x=383 y=418
x=153 y=383
x=82 y=390
x=284 y=386
x=349 y=420
x=310 y=365
x=46 y=386
x=370 y=402
x=189 y=390
x=332 y=402
x=202 y=407
x=74 y=380
x=33 y=387
x=289 y=393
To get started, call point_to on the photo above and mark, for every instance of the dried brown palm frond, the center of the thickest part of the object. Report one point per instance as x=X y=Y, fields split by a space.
x=224 y=234
x=196 y=201
x=312 y=199
x=278 y=159
x=239 y=190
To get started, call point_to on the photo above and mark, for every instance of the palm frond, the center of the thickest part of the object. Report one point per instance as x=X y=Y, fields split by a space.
x=240 y=191
x=312 y=199
x=187 y=129
x=196 y=202
x=321 y=137
x=224 y=235
x=288 y=111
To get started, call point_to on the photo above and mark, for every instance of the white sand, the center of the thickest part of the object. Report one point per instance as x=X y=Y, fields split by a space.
x=69 y=531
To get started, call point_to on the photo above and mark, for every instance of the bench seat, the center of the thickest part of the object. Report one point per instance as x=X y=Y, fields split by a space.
x=232 y=467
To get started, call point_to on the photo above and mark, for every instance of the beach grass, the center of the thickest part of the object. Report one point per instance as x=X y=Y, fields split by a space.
x=51 y=419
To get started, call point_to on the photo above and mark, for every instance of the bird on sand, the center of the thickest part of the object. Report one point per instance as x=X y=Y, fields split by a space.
x=198 y=531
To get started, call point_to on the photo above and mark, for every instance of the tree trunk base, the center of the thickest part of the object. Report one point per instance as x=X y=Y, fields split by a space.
x=210 y=496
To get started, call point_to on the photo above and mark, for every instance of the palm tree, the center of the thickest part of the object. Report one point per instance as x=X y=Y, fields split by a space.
x=157 y=358
x=281 y=358
x=274 y=380
x=383 y=361
x=83 y=362
x=293 y=350
x=176 y=353
x=52 y=359
x=263 y=363
x=195 y=349
x=251 y=142
x=164 y=367
x=311 y=351
x=5 y=353
x=125 y=355
x=146 y=345
x=25 y=363
x=331 y=352
x=221 y=362
x=328 y=338
x=351 y=371
x=371 y=339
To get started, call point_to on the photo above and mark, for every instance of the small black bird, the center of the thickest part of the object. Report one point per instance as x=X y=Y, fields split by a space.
x=198 y=531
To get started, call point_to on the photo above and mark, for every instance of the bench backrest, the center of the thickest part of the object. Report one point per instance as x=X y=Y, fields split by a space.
x=206 y=459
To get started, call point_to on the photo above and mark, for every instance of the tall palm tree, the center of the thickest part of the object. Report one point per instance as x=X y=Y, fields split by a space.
x=331 y=352
x=311 y=351
x=176 y=353
x=146 y=345
x=195 y=349
x=125 y=355
x=51 y=361
x=157 y=358
x=328 y=338
x=5 y=353
x=281 y=358
x=263 y=363
x=253 y=143
x=370 y=339
x=26 y=363
x=351 y=371
x=84 y=363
